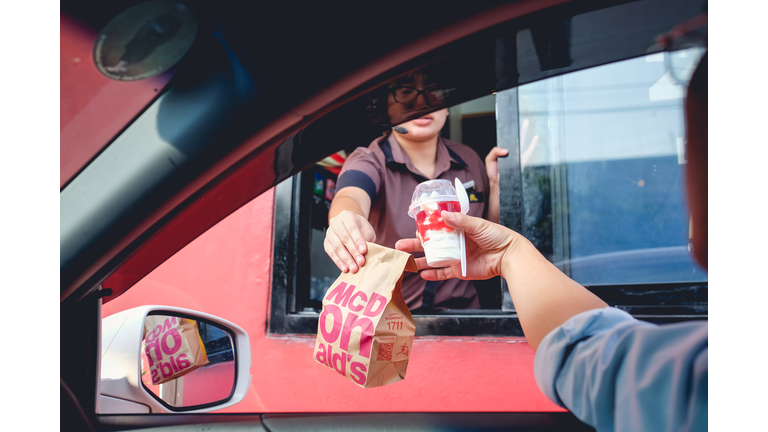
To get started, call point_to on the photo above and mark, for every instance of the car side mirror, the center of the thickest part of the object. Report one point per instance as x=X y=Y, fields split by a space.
x=161 y=359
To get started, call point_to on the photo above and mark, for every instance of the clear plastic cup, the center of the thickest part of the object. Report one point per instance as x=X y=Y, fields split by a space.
x=441 y=243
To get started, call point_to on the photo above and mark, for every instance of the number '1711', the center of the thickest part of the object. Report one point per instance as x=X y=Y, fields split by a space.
x=395 y=325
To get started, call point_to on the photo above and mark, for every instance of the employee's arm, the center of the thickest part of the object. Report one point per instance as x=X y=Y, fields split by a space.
x=349 y=229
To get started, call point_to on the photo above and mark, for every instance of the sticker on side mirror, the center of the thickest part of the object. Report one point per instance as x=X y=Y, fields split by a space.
x=180 y=357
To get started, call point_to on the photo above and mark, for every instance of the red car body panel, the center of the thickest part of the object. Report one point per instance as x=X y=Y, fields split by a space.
x=226 y=272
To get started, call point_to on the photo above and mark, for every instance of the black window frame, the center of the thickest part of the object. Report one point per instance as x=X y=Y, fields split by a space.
x=656 y=303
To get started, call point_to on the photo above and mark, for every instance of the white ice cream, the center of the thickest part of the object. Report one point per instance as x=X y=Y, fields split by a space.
x=442 y=248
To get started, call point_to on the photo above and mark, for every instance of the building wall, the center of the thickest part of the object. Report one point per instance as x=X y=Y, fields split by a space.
x=226 y=272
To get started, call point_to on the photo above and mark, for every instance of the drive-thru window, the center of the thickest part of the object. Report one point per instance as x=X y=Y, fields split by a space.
x=594 y=180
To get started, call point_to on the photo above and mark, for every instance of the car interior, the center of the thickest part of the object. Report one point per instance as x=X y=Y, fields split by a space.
x=245 y=99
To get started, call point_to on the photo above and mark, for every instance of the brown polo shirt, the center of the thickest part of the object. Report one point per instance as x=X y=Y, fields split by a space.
x=386 y=173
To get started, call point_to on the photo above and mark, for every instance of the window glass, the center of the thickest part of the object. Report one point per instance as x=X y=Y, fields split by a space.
x=602 y=158
x=323 y=270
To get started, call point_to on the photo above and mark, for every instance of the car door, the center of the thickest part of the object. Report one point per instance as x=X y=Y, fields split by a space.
x=225 y=129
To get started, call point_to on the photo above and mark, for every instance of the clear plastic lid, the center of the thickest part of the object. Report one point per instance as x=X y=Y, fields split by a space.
x=431 y=191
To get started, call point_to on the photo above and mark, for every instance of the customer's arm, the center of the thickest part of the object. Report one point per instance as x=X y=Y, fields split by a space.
x=617 y=373
x=611 y=370
x=544 y=297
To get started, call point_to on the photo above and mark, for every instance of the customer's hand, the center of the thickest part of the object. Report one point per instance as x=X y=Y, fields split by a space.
x=345 y=240
x=487 y=244
x=544 y=296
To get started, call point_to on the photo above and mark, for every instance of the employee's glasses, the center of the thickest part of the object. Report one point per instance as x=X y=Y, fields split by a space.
x=433 y=95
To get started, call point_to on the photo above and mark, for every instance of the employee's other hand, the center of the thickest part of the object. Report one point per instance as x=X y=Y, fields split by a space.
x=345 y=240
x=492 y=169
x=492 y=164
x=487 y=244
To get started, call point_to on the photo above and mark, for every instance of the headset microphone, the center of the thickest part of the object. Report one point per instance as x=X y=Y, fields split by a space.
x=400 y=130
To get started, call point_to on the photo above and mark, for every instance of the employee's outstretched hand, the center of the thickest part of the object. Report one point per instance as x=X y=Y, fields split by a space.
x=345 y=240
x=487 y=243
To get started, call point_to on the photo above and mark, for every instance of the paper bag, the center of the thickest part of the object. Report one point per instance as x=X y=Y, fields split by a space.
x=365 y=331
x=173 y=347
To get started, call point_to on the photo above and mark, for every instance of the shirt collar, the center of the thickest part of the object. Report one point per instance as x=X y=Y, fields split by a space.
x=397 y=159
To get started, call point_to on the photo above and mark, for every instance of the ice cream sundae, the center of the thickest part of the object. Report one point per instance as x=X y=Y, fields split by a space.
x=441 y=243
